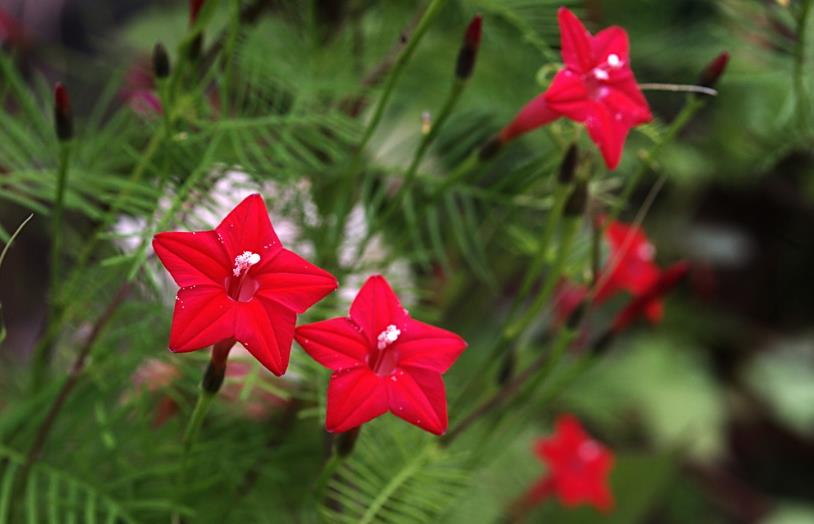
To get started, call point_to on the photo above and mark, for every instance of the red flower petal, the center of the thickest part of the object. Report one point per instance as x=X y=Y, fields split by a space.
x=568 y=95
x=355 y=396
x=575 y=41
x=336 y=343
x=248 y=228
x=193 y=258
x=417 y=396
x=609 y=132
x=611 y=41
x=424 y=346
x=376 y=307
x=534 y=114
x=203 y=316
x=626 y=99
x=266 y=329
x=292 y=281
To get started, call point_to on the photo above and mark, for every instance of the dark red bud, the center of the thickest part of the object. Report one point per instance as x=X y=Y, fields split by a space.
x=63 y=119
x=345 y=442
x=712 y=73
x=469 y=50
x=568 y=166
x=490 y=148
x=161 y=61
x=194 y=8
x=577 y=200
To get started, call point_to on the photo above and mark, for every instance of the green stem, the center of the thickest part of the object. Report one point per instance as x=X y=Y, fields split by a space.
x=538 y=262
x=43 y=353
x=518 y=327
x=58 y=213
x=355 y=168
x=410 y=176
x=535 y=373
x=202 y=406
x=229 y=51
x=464 y=168
x=799 y=63
x=398 y=69
x=427 y=139
x=691 y=107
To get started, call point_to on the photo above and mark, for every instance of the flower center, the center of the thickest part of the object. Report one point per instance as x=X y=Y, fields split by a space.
x=383 y=361
x=241 y=286
x=388 y=336
x=244 y=261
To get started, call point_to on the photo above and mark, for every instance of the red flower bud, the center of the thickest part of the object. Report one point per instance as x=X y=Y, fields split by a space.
x=709 y=77
x=63 y=119
x=194 y=8
x=469 y=50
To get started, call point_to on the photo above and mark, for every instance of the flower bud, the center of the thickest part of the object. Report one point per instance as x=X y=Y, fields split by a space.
x=577 y=200
x=345 y=442
x=63 y=119
x=161 y=61
x=712 y=73
x=469 y=49
x=490 y=148
x=568 y=166
x=194 y=8
x=507 y=367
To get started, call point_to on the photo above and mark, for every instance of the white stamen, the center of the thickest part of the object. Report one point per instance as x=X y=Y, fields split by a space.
x=244 y=261
x=601 y=74
x=614 y=60
x=388 y=336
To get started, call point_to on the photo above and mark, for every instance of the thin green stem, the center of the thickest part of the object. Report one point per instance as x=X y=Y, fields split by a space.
x=58 y=213
x=346 y=200
x=412 y=171
x=429 y=138
x=542 y=298
x=802 y=101
x=538 y=262
x=43 y=354
x=536 y=372
x=689 y=110
x=227 y=56
x=460 y=172
x=398 y=68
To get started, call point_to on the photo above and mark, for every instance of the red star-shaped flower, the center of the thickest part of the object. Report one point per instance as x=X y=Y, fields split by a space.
x=383 y=360
x=596 y=87
x=578 y=467
x=238 y=282
x=631 y=264
x=631 y=268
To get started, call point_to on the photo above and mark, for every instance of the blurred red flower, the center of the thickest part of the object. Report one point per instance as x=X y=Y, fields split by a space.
x=383 y=360
x=630 y=267
x=596 y=87
x=238 y=282
x=578 y=465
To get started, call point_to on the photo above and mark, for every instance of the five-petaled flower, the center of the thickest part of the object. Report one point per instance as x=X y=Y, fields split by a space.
x=596 y=87
x=630 y=267
x=238 y=282
x=578 y=469
x=382 y=360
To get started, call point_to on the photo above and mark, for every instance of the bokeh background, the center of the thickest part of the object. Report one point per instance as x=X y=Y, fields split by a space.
x=712 y=411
